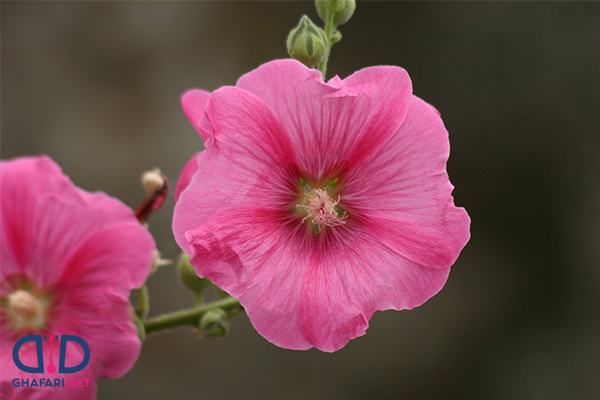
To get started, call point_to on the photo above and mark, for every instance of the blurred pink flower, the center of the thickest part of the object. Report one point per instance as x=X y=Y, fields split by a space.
x=69 y=261
x=317 y=204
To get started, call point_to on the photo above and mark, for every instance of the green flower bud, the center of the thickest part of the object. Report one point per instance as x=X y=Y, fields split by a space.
x=335 y=5
x=307 y=43
x=189 y=277
x=343 y=10
x=214 y=323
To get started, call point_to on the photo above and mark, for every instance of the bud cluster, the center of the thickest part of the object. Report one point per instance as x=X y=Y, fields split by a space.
x=310 y=44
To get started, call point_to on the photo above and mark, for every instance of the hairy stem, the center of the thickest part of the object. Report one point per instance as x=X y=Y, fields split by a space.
x=144 y=299
x=198 y=298
x=190 y=316
x=329 y=30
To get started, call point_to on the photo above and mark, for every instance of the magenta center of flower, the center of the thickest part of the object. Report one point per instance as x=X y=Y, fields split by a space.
x=26 y=310
x=321 y=209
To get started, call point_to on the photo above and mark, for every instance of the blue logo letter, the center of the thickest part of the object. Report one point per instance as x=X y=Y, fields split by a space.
x=63 y=352
x=40 y=355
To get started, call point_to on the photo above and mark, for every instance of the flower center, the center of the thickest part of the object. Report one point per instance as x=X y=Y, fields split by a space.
x=26 y=310
x=321 y=210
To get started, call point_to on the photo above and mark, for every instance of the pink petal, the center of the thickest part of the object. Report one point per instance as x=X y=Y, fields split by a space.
x=193 y=103
x=258 y=258
x=101 y=312
x=439 y=114
x=404 y=194
x=95 y=290
x=247 y=161
x=331 y=122
x=353 y=276
x=301 y=291
x=186 y=176
x=45 y=218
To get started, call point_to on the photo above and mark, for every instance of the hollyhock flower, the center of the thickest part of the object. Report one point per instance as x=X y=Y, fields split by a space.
x=318 y=203
x=69 y=261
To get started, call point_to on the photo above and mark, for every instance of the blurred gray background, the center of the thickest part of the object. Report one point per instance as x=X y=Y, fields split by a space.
x=96 y=86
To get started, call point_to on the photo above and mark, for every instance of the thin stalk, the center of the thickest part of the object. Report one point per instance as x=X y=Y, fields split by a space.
x=188 y=317
x=329 y=30
x=144 y=299
x=198 y=298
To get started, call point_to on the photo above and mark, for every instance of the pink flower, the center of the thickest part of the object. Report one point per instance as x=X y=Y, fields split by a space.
x=317 y=204
x=69 y=261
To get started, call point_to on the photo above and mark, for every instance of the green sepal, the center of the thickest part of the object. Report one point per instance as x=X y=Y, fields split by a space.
x=307 y=43
x=188 y=275
x=214 y=323
x=343 y=9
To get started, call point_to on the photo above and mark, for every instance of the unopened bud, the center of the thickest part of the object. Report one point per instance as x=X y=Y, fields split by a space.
x=153 y=181
x=157 y=187
x=214 y=323
x=343 y=10
x=188 y=275
x=307 y=43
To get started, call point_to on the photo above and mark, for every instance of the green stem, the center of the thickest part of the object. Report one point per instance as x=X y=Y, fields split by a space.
x=329 y=30
x=198 y=298
x=144 y=299
x=188 y=317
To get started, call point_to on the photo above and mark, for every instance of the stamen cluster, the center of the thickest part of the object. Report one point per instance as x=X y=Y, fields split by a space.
x=321 y=209
x=26 y=310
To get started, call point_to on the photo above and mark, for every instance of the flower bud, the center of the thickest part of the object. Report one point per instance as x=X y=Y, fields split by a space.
x=343 y=10
x=153 y=181
x=307 y=43
x=156 y=186
x=189 y=277
x=214 y=323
